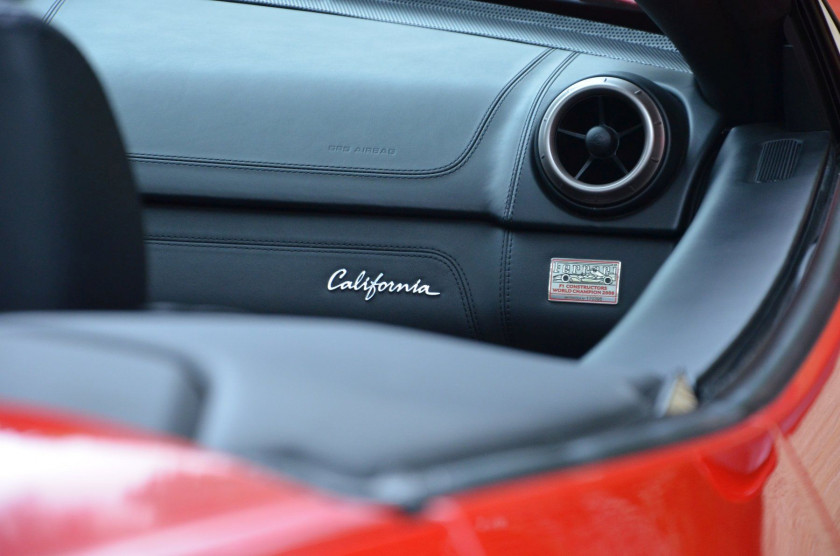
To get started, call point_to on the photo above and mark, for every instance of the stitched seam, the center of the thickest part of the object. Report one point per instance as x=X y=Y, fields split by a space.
x=452 y=265
x=53 y=11
x=527 y=131
x=460 y=160
x=503 y=277
x=508 y=312
x=506 y=257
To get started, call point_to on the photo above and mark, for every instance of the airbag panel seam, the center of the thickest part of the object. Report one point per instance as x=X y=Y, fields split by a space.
x=460 y=160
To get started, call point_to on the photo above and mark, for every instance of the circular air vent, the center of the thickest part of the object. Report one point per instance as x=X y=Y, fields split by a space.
x=602 y=141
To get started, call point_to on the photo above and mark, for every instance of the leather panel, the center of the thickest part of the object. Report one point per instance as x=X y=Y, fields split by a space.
x=292 y=89
x=282 y=262
x=307 y=279
x=729 y=263
x=570 y=329
x=98 y=376
x=500 y=179
x=209 y=91
x=224 y=102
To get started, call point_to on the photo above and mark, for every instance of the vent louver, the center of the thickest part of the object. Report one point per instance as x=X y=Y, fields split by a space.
x=602 y=141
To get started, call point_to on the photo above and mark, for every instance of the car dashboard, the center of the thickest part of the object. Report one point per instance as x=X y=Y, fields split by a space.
x=277 y=147
x=470 y=170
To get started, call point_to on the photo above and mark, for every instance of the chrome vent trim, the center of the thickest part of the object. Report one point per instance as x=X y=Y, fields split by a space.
x=573 y=182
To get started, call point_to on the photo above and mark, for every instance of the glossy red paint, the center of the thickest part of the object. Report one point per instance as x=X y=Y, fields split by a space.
x=767 y=485
x=72 y=485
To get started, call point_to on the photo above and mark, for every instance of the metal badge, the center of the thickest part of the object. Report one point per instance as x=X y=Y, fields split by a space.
x=584 y=281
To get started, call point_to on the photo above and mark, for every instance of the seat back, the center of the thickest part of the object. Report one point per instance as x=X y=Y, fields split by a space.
x=70 y=219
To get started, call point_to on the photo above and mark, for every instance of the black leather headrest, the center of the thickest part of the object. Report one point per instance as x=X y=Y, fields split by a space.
x=70 y=222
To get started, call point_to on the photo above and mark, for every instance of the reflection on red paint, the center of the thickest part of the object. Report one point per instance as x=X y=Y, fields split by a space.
x=741 y=472
x=73 y=491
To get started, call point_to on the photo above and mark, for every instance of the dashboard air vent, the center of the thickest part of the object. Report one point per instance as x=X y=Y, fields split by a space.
x=602 y=141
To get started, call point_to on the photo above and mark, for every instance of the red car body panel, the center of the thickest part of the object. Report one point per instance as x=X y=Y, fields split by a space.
x=768 y=484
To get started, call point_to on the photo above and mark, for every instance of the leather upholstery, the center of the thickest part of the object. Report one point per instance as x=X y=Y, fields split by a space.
x=238 y=106
x=70 y=227
x=281 y=261
x=729 y=262
x=225 y=102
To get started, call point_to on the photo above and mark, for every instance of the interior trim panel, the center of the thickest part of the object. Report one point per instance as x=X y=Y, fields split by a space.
x=418 y=140
x=735 y=252
x=283 y=261
x=415 y=158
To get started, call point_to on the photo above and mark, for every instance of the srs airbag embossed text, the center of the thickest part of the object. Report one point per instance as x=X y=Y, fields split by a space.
x=363 y=283
x=352 y=149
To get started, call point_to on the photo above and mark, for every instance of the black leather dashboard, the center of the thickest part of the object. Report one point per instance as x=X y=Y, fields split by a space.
x=276 y=147
x=244 y=209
